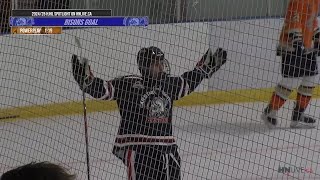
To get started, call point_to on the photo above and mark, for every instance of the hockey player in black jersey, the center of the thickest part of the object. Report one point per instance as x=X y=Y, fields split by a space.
x=145 y=141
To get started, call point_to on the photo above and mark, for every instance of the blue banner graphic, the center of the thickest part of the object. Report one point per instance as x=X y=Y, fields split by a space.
x=79 y=21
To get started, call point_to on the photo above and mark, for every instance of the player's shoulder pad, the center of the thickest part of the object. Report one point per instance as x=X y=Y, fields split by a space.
x=128 y=77
x=133 y=77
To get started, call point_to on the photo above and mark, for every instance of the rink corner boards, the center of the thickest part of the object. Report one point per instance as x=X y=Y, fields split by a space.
x=194 y=99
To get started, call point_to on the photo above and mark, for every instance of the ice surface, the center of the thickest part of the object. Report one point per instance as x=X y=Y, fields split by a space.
x=216 y=142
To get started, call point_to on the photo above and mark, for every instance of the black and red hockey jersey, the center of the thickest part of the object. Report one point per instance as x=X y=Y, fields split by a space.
x=145 y=105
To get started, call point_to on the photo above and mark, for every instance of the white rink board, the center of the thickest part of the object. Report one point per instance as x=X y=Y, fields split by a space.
x=37 y=69
x=221 y=142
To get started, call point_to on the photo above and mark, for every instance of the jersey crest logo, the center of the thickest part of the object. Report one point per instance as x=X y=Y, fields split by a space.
x=158 y=104
x=158 y=107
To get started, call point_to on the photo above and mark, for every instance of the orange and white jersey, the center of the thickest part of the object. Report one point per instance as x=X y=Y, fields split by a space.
x=301 y=18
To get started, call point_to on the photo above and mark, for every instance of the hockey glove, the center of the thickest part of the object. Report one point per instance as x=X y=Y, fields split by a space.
x=210 y=63
x=81 y=71
x=297 y=44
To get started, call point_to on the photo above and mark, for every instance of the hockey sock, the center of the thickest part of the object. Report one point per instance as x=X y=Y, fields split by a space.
x=303 y=98
x=279 y=97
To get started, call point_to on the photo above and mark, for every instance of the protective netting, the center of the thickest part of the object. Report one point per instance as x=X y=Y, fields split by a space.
x=218 y=127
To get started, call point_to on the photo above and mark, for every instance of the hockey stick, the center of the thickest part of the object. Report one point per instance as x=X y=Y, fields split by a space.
x=77 y=41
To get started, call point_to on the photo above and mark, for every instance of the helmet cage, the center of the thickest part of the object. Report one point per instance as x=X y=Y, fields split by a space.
x=148 y=56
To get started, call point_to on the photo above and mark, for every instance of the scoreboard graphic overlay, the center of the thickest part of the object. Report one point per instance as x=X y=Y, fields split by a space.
x=37 y=21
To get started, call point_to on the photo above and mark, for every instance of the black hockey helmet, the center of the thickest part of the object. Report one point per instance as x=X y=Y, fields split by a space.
x=147 y=56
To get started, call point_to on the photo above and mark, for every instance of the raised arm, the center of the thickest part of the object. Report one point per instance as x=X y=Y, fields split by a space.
x=96 y=87
x=205 y=68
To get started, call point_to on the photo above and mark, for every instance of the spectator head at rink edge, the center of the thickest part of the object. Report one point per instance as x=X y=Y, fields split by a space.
x=38 y=171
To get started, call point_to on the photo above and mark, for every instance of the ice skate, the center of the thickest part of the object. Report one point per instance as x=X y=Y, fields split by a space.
x=269 y=117
x=299 y=120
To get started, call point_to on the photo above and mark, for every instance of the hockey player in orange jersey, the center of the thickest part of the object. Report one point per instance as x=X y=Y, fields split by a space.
x=298 y=49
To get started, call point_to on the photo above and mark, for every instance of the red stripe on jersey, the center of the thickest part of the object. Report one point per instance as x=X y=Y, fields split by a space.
x=142 y=140
x=129 y=164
